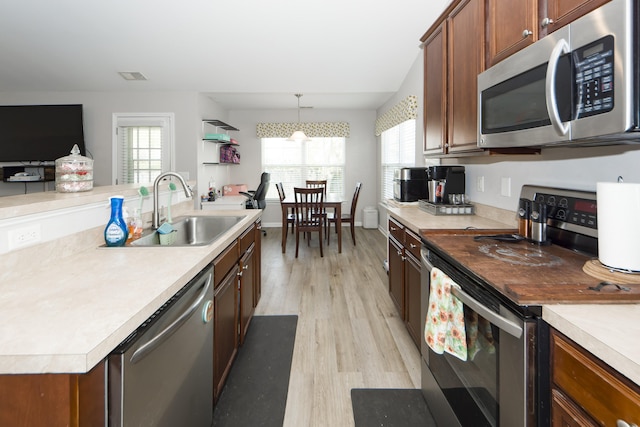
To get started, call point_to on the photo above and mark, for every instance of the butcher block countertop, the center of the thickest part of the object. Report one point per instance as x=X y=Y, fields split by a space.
x=609 y=330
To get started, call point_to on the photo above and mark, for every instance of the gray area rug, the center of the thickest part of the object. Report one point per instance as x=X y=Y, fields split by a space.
x=390 y=408
x=255 y=393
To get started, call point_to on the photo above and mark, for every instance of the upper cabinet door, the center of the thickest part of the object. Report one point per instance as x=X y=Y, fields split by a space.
x=562 y=12
x=435 y=91
x=511 y=26
x=466 y=50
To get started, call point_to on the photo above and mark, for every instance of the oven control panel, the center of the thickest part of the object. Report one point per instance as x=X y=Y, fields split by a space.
x=573 y=210
x=569 y=212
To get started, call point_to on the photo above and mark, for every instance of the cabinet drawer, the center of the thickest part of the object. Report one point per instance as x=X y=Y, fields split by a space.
x=247 y=238
x=412 y=243
x=602 y=392
x=224 y=262
x=396 y=230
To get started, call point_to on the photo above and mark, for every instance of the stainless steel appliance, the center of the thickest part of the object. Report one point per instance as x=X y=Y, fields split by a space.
x=502 y=287
x=162 y=374
x=410 y=184
x=446 y=184
x=577 y=85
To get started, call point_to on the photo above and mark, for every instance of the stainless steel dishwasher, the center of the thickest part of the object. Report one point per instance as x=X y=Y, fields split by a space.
x=162 y=374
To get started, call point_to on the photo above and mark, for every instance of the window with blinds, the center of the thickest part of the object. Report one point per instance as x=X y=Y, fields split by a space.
x=398 y=151
x=143 y=148
x=293 y=162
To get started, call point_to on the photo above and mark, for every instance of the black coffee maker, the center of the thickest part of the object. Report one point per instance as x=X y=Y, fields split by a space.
x=446 y=184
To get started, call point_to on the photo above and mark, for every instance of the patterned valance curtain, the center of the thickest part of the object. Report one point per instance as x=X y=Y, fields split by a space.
x=407 y=109
x=312 y=130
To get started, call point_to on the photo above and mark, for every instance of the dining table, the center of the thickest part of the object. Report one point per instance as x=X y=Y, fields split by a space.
x=331 y=201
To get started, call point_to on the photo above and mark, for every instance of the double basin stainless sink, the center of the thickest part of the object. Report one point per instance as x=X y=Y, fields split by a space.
x=191 y=231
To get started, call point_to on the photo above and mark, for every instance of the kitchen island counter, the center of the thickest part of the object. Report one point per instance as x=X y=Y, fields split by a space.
x=67 y=313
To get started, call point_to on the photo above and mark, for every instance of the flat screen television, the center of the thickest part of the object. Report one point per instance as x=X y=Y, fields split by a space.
x=40 y=133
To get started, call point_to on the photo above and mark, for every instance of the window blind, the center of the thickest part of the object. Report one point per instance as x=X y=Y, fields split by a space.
x=398 y=151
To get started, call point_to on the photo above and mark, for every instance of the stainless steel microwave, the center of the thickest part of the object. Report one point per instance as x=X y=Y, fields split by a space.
x=577 y=85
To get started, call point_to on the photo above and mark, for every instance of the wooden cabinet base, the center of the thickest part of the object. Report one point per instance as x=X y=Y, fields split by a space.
x=74 y=400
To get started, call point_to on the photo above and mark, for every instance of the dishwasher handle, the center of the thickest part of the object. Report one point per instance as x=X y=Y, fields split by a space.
x=501 y=322
x=159 y=338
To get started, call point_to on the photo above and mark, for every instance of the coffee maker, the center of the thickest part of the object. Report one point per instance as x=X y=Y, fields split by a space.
x=446 y=184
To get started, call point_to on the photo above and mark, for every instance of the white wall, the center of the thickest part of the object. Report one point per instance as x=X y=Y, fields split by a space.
x=361 y=150
x=98 y=109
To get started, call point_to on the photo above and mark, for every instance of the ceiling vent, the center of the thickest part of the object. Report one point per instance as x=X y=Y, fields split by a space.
x=132 y=75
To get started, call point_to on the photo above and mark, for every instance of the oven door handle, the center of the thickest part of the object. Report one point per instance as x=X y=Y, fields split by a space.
x=503 y=323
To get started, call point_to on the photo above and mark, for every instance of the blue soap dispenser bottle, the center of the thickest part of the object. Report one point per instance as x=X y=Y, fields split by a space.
x=115 y=233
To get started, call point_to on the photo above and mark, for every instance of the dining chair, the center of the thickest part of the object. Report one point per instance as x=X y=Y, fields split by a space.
x=347 y=217
x=320 y=183
x=308 y=201
x=291 y=218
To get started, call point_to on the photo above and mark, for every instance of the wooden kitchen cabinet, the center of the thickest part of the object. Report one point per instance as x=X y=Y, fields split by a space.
x=515 y=24
x=257 y=283
x=225 y=332
x=73 y=400
x=412 y=272
x=586 y=391
x=435 y=89
x=404 y=276
x=450 y=80
x=237 y=281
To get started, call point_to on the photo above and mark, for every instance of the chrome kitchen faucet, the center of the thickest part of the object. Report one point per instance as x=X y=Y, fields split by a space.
x=156 y=211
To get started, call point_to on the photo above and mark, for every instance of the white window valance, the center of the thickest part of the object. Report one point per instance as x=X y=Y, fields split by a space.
x=407 y=109
x=312 y=130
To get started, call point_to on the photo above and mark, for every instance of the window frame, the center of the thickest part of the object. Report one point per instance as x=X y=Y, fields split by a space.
x=336 y=188
x=404 y=136
x=125 y=120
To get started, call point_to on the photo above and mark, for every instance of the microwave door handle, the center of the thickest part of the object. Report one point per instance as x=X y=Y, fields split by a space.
x=560 y=48
x=503 y=323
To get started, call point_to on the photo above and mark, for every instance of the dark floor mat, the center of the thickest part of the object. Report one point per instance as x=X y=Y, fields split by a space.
x=255 y=393
x=390 y=408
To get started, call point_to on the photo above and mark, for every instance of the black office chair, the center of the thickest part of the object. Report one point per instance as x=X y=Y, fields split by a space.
x=256 y=198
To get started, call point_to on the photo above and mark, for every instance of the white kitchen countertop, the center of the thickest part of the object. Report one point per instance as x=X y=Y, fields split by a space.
x=67 y=317
x=609 y=331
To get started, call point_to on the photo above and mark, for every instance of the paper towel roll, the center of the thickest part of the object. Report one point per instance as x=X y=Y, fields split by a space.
x=619 y=225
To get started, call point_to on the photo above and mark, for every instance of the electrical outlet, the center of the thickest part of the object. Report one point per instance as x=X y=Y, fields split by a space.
x=480 y=184
x=505 y=187
x=24 y=236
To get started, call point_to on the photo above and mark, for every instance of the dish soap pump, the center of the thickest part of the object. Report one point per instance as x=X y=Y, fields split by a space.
x=115 y=234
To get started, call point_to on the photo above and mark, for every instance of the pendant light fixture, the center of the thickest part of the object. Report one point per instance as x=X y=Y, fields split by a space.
x=298 y=135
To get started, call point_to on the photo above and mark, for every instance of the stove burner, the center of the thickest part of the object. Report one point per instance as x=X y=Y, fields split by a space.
x=520 y=255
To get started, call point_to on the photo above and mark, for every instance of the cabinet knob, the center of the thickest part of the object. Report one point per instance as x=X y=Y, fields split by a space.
x=400 y=253
x=413 y=246
x=526 y=33
x=546 y=22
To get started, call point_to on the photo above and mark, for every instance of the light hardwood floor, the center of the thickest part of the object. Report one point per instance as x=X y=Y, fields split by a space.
x=349 y=333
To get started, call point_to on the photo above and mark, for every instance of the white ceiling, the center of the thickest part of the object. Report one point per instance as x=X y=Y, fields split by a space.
x=245 y=54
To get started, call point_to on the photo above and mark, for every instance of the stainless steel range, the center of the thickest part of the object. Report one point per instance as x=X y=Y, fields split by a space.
x=502 y=282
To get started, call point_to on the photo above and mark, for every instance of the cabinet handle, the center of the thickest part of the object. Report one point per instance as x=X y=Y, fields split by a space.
x=526 y=33
x=546 y=22
x=412 y=246
x=622 y=423
x=244 y=267
x=392 y=228
x=399 y=253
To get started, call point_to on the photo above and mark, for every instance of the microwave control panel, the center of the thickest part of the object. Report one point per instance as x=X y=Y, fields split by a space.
x=593 y=68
